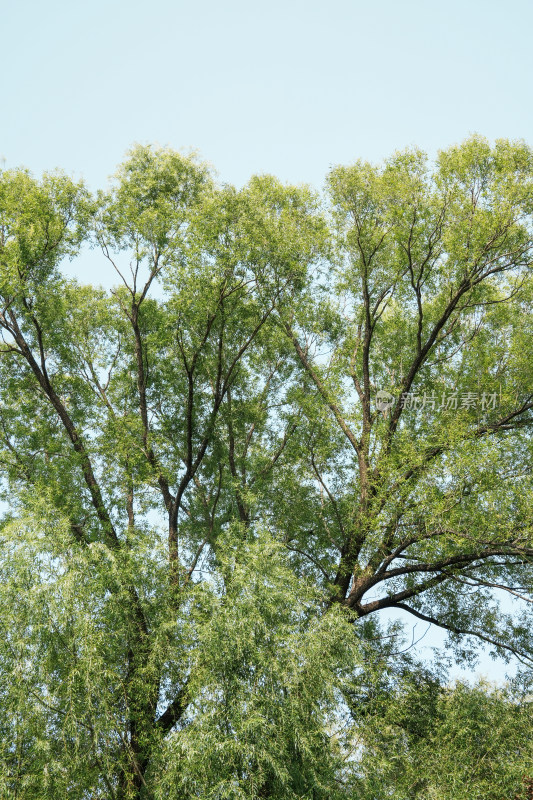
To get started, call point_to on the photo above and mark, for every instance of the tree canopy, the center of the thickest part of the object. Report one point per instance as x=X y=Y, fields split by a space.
x=293 y=412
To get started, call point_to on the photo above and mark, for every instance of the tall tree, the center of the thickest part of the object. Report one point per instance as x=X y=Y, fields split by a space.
x=222 y=402
x=419 y=365
x=110 y=407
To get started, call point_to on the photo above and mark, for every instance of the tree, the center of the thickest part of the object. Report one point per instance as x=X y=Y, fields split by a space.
x=433 y=308
x=226 y=388
x=474 y=742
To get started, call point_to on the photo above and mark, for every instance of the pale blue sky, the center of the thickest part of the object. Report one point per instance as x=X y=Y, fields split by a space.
x=285 y=87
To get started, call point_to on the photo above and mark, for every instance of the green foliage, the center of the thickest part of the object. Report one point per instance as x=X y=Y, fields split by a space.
x=261 y=719
x=209 y=505
x=476 y=744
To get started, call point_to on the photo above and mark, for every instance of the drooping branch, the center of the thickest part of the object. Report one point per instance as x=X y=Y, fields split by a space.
x=460 y=631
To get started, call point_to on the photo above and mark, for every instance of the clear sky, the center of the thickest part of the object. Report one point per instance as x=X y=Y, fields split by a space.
x=284 y=87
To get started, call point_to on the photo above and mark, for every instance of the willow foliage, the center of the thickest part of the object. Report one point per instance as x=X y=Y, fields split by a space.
x=291 y=413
